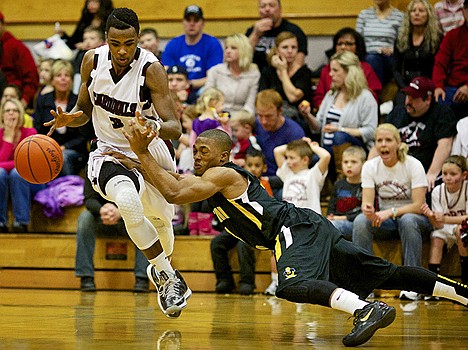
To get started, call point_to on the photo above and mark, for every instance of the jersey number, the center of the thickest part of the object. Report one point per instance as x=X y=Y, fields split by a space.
x=116 y=123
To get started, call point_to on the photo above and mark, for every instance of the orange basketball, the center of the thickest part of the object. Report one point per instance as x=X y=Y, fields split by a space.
x=38 y=159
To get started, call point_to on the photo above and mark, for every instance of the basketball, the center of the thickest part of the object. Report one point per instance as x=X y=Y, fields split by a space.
x=38 y=159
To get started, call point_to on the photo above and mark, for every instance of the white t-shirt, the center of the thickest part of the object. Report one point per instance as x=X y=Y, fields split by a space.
x=302 y=189
x=393 y=185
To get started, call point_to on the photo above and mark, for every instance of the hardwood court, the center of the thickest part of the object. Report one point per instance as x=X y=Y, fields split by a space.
x=59 y=319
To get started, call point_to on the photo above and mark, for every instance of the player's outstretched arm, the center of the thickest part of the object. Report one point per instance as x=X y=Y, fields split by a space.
x=182 y=189
x=81 y=113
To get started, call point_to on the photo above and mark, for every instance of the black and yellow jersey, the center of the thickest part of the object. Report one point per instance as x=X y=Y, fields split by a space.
x=254 y=217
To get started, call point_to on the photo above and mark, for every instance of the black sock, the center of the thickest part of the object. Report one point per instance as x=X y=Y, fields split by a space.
x=464 y=269
x=434 y=268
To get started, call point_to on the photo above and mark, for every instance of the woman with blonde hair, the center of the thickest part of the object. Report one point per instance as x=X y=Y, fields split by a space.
x=285 y=75
x=12 y=132
x=418 y=42
x=398 y=182
x=237 y=77
x=71 y=140
x=348 y=113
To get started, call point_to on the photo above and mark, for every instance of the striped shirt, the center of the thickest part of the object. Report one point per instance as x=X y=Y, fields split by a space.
x=378 y=33
x=449 y=16
x=333 y=117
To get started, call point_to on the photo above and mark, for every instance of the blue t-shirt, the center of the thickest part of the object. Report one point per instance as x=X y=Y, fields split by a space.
x=197 y=59
x=267 y=140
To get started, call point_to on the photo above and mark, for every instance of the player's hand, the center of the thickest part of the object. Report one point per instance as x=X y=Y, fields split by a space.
x=149 y=124
x=61 y=119
x=139 y=139
x=127 y=162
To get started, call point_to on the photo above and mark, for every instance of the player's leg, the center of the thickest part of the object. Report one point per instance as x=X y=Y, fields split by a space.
x=420 y=280
x=122 y=187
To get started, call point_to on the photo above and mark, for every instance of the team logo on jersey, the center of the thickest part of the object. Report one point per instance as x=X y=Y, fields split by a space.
x=289 y=272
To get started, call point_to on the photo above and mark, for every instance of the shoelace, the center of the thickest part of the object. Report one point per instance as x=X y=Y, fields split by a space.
x=171 y=288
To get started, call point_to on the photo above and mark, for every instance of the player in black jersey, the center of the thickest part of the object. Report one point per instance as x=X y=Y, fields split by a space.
x=315 y=263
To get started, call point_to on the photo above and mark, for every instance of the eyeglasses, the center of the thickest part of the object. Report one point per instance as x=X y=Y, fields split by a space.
x=11 y=110
x=345 y=43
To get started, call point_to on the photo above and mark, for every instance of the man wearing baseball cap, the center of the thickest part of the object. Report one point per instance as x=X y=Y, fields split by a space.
x=425 y=126
x=17 y=64
x=194 y=50
x=450 y=73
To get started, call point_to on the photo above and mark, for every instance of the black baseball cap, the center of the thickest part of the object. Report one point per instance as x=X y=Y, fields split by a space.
x=193 y=10
x=177 y=70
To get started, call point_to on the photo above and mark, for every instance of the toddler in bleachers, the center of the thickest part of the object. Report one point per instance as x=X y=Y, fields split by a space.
x=242 y=126
x=346 y=197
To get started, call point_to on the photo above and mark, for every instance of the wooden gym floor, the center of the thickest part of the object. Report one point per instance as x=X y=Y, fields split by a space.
x=67 y=319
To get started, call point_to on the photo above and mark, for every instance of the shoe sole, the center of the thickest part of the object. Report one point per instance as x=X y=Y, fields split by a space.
x=173 y=311
x=385 y=321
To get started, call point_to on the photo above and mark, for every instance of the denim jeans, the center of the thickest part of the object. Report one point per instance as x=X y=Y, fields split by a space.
x=382 y=66
x=88 y=228
x=410 y=228
x=73 y=162
x=220 y=246
x=345 y=227
x=13 y=186
x=459 y=108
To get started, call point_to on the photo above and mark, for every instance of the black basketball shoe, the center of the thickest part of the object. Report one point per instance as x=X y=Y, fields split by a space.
x=173 y=292
x=368 y=320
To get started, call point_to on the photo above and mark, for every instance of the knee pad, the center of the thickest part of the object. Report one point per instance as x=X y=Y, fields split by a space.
x=122 y=191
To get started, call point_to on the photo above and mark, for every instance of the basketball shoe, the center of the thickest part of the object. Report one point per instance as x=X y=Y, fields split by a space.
x=173 y=292
x=368 y=320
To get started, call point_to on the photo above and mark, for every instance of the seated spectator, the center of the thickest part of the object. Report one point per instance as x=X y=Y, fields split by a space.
x=12 y=91
x=177 y=77
x=346 y=197
x=18 y=65
x=460 y=142
x=149 y=40
x=93 y=37
x=71 y=141
x=285 y=75
x=399 y=184
x=94 y=13
x=302 y=185
x=45 y=76
x=417 y=44
x=379 y=26
x=348 y=113
x=101 y=217
x=242 y=126
x=273 y=129
x=449 y=14
x=450 y=73
x=184 y=156
x=425 y=126
x=194 y=50
x=210 y=106
x=237 y=77
x=12 y=186
x=347 y=39
x=449 y=210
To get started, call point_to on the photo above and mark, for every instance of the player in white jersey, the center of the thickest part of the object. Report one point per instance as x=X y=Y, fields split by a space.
x=121 y=81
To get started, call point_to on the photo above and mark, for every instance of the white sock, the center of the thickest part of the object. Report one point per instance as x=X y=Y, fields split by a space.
x=274 y=277
x=445 y=291
x=161 y=263
x=346 y=301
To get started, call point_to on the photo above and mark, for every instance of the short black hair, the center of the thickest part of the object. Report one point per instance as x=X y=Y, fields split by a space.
x=252 y=152
x=221 y=137
x=123 y=18
x=150 y=31
x=360 y=43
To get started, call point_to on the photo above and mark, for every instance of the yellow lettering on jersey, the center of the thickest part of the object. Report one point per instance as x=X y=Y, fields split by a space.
x=247 y=214
x=278 y=251
x=220 y=213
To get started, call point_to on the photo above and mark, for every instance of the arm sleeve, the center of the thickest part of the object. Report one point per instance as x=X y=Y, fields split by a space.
x=442 y=61
x=398 y=67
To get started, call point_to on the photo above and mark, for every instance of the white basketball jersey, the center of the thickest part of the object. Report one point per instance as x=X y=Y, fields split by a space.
x=117 y=98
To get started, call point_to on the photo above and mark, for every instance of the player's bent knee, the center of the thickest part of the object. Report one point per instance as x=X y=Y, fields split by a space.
x=130 y=207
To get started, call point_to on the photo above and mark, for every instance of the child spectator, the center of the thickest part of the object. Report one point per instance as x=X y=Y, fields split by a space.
x=210 y=105
x=184 y=151
x=45 y=76
x=449 y=14
x=346 y=197
x=222 y=244
x=242 y=126
x=302 y=185
x=149 y=40
x=449 y=209
x=12 y=185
